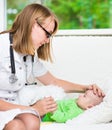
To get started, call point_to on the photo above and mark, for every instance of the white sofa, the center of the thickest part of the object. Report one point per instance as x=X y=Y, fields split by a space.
x=83 y=57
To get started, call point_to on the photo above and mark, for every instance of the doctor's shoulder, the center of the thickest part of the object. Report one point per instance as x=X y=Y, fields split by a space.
x=4 y=37
x=4 y=44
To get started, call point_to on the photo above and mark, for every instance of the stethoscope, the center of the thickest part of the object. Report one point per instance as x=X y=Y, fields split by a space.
x=27 y=82
x=13 y=78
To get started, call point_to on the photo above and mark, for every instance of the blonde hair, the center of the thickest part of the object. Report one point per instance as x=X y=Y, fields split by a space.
x=22 y=26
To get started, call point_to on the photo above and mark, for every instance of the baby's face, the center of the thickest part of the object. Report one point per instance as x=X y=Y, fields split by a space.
x=88 y=100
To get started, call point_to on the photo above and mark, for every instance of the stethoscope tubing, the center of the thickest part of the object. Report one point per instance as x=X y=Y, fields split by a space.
x=13 y=78
x=13 y=70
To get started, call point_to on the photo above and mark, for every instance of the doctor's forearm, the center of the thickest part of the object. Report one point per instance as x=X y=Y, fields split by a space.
x=48 y=79
x=4 y=106
x=70 y=87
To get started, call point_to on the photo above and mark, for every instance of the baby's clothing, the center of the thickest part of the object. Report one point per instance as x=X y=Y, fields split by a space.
x=67 y=109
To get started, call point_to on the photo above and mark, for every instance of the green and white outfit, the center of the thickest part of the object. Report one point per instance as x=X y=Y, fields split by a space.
x=67 y=109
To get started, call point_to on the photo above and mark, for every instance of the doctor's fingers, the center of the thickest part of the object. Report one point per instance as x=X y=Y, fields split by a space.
x=49 y=100
x=50 y=105
x=45 y=105
x=45 y=101
x=97 y=90
x=51 y=109
x=41 y=107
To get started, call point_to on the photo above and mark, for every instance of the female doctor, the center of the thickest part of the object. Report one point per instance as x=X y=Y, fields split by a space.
x=21 y=49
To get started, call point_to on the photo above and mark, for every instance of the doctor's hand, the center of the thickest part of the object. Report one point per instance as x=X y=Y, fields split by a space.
x=96 y=90
x=45 y=105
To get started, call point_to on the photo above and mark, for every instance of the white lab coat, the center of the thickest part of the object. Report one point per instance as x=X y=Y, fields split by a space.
x=9 y=91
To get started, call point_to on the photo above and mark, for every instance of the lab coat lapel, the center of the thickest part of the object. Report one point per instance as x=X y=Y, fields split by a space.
x=17 y=57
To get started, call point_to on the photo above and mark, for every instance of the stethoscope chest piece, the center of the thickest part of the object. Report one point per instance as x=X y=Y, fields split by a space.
x=12 y=78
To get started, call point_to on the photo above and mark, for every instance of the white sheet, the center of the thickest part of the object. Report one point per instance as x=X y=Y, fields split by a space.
x=62 y=126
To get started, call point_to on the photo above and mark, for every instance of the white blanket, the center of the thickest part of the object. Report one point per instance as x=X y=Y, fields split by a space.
x=62 y=126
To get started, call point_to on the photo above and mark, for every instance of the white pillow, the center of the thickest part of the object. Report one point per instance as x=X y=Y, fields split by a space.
x=106 y=83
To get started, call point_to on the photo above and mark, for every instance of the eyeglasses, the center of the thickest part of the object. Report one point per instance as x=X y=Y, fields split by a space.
x=48 y=35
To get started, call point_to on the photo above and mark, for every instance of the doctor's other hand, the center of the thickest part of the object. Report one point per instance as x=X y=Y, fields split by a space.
x=96 y=90
x=45 y=105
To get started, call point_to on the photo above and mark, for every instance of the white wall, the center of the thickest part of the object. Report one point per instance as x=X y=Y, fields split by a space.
x=82 y=58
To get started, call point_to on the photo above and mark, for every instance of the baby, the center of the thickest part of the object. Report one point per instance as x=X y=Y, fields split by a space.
x=67 y=108
x=70 y=108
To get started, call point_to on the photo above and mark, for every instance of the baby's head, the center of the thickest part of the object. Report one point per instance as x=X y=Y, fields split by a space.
x=88 y=100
